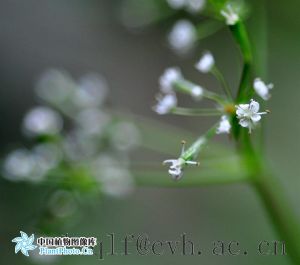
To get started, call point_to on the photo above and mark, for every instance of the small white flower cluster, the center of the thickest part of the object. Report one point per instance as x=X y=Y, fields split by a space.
x=23 y=164
x=167 y=99
x=248 y=114
x=192 y=6
x=92 y=132
x=177 y=165
x=230 y=14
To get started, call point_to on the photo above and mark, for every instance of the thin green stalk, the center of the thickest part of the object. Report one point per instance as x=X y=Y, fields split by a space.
x=186 y=87
x=192 y=152
x=208 y=28
x=195 y=112
x=217 y=73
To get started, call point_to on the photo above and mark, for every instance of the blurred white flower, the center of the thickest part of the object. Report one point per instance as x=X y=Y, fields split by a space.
x=18 y=165
x=79 y=146
x=230 y=15
x=262 y=89
x=55 y=86
x=47 y=156
x=125 y=136
x=114 y=177
x=42 y=120
x=165 y=103
x=248 y=114
x=182 y=36
x=205 y=63
x=92 y=91
x=92 y=121
x=224 y=125
x=190 y=5
x=197 y=92
x=32 y=165
x=168 y=78
x=195 y=6
x=176 y=4
x=116 y=182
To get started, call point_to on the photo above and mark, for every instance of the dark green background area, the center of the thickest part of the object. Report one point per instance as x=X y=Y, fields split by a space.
x=83 y=36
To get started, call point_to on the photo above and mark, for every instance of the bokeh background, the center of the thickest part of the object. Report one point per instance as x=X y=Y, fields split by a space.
x=89 y=36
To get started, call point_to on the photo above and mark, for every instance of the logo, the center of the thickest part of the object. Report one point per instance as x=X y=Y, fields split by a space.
x=24 y=243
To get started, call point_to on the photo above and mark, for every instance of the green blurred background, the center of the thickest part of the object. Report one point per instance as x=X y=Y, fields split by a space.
x=83 y=36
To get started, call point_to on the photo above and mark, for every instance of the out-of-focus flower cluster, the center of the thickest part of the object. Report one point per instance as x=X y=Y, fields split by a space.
x=192 y=20
x=76 y=143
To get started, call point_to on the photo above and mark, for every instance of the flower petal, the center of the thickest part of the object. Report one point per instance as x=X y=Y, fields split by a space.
x=244 y=122
x=254 y=106
x=255 y=117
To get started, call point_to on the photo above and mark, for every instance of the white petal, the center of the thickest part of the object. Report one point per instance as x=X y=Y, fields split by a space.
x=254 y=106
x=255 y=117
x=242 y=109
x=171 y=161
x=244 y=123
x=169 y=77
x=230 y=15
x=165 y=104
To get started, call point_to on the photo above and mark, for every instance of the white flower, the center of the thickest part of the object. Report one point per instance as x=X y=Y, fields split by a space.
x=262 y=89
x=206 y=63
x=176 y=165
x=230 y=15
x=165 y=103
x=114 y=178
x=176 y=4
x=18 y=165
x=55 y=86
x=92 y=91
x=42 y=120
x=197 y=92
x=191 y=5
x=168 y=78
x=182 y=36
x=224 y=125
x=248 y=114
x=92 y=121
x=125 y=136
x=195 y=5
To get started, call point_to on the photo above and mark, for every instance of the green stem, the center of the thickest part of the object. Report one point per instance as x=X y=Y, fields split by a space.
x=195 y=112
x=266 y=185
x=284 y=220
x=273 y=197
x=241 y=36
